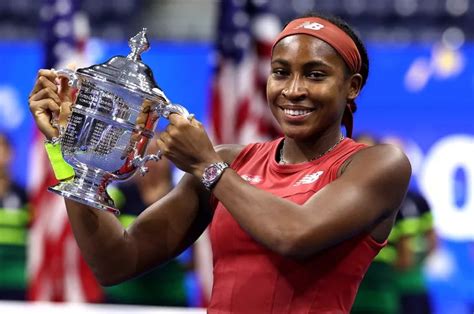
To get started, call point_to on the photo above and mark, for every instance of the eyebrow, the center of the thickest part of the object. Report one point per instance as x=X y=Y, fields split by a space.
x=315 y=63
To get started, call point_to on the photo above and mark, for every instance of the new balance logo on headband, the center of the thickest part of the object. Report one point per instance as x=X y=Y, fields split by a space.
x=311 y=25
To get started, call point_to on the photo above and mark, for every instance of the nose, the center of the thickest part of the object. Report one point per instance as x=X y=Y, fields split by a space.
x=295 y=90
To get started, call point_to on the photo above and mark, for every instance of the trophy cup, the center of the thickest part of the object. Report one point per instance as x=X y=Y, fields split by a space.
x=113 y=118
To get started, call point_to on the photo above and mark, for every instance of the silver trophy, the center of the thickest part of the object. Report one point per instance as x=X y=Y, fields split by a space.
x=113 y=119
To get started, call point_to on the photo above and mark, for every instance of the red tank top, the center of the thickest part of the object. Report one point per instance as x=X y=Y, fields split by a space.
x=249 y=278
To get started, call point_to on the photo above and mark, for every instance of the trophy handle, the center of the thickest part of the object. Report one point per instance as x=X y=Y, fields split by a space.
x=164 y=110
x=69 y=74
x=175 y=108
x=169 y=108
x=139 y=162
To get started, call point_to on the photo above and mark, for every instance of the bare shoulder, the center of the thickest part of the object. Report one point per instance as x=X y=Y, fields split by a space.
x=229 y=152
x=385 y=158
x=383 y=170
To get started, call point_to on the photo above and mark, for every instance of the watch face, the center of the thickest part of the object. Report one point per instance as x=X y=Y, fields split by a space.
x=211 y=172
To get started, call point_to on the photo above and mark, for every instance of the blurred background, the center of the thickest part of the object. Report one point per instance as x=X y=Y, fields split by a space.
x=212 y=57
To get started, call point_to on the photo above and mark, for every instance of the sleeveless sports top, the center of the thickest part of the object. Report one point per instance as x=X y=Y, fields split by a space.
x=249 y=278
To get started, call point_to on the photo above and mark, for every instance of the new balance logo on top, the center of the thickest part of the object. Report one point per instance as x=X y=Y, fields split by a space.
x=309 y=178
x=311 y=25
x=252 y=179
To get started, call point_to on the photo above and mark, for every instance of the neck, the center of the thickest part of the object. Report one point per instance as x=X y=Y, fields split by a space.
x=292 y=152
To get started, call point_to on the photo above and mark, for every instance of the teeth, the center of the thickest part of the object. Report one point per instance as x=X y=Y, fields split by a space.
x=298 y=112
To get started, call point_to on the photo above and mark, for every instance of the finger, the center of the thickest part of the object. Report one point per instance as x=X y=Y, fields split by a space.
x=176 y=118
x=171 y=130
x=47 y=129
x=64 y=113
x=45 y=76
x=161 y=147
x=54 y=106
x=43 y=121
x=49 y=74
x=195 y=122
x=45 y=106
x=47 y=83
x=165 y=137
x=43 y=82
x=45 y=93
x=140 y=121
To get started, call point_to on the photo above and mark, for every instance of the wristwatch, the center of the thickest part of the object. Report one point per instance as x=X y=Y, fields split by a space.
x=213 y=173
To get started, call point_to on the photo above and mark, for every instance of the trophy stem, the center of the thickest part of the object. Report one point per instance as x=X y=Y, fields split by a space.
x=88 y=187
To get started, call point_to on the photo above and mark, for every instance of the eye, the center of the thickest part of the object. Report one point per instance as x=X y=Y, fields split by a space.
x=316 y=75
x=279 y=73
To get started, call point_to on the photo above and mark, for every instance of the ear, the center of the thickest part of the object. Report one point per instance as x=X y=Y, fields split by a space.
x=355 y=85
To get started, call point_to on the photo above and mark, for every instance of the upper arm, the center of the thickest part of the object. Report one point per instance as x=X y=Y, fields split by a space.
x=370 y=189
x=380 y=176
x=228 y=152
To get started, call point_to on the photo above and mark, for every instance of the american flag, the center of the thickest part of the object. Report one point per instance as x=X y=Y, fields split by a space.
x=56 y=270
x=245 y=33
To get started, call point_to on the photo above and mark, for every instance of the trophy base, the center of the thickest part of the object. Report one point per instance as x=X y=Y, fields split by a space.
x=70 y=190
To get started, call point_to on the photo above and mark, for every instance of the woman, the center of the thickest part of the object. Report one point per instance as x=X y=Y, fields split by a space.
x=296 y=221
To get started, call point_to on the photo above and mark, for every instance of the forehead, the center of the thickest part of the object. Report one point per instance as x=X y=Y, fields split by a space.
x=305 y=48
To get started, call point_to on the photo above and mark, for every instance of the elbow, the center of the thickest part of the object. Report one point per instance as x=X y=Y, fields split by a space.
x=288 y=251
x=295 y=252
x=108 y=282
x=106 y=278
x=293 y=246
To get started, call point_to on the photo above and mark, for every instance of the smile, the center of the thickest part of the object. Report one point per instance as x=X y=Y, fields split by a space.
x=297 y=112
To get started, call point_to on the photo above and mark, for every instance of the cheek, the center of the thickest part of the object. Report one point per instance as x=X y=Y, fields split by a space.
x=344 y=87
x=336 y=93
x=272 y=91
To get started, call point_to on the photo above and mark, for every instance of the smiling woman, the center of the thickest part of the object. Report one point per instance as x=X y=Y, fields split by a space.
x=295 y=221
x=308 y=89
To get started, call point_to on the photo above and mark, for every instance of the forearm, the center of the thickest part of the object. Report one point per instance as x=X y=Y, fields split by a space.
x=271 y=220
x=159 y=233
x=300 y=230
x=103 y=242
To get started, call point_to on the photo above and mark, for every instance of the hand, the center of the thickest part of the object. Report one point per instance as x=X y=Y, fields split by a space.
x=50 y=99
x=186 y=143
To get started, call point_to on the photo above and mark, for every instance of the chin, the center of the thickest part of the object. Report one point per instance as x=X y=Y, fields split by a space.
x=298 y=134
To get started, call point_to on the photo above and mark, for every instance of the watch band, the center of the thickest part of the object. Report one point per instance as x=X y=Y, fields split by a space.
x=213 y=173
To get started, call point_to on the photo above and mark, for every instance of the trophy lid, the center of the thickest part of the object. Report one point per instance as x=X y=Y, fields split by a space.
x=130 y=71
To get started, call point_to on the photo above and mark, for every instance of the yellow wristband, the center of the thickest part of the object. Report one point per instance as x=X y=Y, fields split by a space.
x=62 y=170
